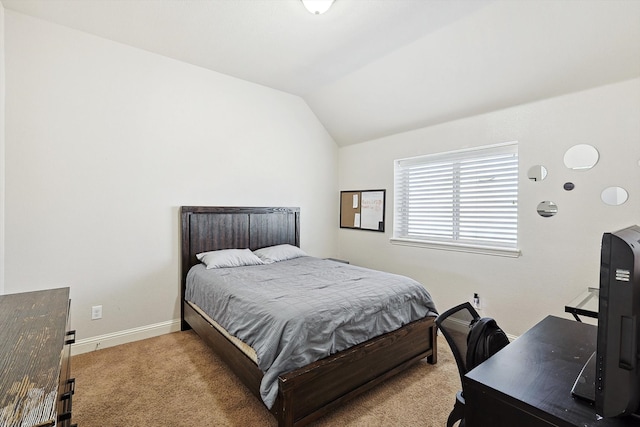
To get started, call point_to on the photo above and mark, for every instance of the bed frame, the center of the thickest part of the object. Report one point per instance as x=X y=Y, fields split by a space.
x=307 y=393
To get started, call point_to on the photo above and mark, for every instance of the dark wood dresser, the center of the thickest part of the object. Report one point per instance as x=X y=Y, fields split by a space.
x=35 y=343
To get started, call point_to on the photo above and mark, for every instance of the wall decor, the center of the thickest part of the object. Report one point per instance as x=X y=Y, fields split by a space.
x=581 y=157
x=537 y=173
x=362 y=209
x=547 y=209
x=614 y=196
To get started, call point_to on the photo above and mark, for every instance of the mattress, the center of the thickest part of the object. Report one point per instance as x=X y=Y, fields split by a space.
x=298 y=311
x=242 y=346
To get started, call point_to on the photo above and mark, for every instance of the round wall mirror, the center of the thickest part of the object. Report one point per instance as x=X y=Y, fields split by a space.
x=581 y=157
x=614 y=196
x=537 y=173
x=547 y=209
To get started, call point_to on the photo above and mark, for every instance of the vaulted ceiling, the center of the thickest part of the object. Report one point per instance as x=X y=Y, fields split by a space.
x=372 y=68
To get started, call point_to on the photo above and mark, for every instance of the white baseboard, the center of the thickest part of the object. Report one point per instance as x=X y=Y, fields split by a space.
x=122 y=337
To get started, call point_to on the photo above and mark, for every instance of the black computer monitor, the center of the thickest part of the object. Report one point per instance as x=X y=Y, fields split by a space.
x=617 y=371
x=611 y=378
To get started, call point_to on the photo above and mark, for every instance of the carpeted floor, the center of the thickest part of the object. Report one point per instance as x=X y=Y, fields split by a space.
x=176 y=380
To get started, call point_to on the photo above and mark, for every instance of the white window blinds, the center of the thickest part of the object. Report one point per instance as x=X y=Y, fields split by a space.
x=464 y=198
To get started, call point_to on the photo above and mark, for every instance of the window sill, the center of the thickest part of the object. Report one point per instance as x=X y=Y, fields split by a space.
x=505 y=252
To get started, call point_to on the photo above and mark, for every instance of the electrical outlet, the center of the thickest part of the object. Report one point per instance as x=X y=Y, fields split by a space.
x=476 y=301
x=96 y=312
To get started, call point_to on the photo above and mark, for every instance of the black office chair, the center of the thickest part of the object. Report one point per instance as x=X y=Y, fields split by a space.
x=455 y=325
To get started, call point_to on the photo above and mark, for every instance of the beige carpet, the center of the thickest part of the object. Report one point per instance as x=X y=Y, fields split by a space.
x=176 y=380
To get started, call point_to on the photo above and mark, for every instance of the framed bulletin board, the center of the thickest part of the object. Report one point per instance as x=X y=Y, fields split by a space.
x=362 y=210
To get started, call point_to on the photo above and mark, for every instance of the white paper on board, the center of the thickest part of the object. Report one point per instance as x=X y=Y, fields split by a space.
x=372 y=209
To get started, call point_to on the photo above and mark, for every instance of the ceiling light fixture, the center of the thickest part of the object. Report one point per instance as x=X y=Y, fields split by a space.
x=317 y=7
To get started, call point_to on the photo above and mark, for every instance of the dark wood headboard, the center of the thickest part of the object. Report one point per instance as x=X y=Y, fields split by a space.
x=210 y=228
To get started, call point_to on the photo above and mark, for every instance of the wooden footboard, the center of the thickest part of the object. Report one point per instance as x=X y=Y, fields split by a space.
x=311 y=391
x=307 y=393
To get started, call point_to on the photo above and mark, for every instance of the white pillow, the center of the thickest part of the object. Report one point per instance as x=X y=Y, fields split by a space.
x=228 y=258
x=277 y=253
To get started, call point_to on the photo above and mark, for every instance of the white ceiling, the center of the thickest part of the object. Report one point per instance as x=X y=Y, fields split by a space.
x=372 y=68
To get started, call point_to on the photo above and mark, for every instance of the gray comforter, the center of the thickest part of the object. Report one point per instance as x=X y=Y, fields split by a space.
x=298 y=311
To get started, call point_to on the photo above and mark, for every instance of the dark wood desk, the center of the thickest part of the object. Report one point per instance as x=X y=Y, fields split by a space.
x=528 y=383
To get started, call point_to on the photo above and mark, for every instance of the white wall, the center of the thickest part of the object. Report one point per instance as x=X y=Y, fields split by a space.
x=104 y=142
x=560 y=255
x=2 y=144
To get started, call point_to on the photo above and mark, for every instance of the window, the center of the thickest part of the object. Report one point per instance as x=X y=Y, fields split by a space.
x=462 y=200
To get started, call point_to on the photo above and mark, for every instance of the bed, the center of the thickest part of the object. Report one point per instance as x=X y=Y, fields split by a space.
x=306 y=393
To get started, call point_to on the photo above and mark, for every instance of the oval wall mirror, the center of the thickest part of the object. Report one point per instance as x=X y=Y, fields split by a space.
x=614 y=196
x=537 y=173
x=581 y=157
x=547 y=209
